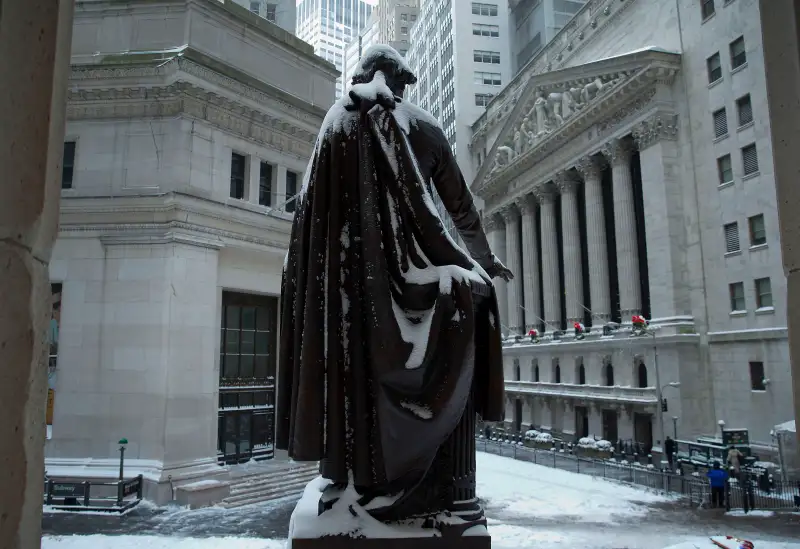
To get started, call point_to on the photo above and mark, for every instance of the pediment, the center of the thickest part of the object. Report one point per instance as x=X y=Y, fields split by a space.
x=556 y=106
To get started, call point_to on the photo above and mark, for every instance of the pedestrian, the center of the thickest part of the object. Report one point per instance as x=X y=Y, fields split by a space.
x=669 y=449
x=735 y=458
x=488 y=432
x=717 y=476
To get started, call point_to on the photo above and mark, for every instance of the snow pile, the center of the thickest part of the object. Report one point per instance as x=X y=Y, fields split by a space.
x=347 y=517
x=546 y=438
x=706 y=543
x=531 y=434
x=517 y=489
x=157 y=542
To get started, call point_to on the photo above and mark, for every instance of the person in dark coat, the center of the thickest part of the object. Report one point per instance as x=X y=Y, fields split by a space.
x=717 y=477
x=385 y=347
x=669 y=449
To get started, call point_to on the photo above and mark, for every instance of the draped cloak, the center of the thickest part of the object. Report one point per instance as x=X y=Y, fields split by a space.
x=377 y=320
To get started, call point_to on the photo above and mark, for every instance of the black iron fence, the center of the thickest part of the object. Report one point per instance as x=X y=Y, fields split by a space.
x=743 y=493
x=111 y=497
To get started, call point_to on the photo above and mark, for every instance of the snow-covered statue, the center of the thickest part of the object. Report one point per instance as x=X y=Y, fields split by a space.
x=390 y=339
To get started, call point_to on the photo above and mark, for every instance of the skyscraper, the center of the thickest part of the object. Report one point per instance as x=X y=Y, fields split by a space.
x=330 y=25
x=280 y=12
x=459 y=52
x=536 y=22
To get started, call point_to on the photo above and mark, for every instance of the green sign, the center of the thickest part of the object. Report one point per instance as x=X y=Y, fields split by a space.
x=735 y=437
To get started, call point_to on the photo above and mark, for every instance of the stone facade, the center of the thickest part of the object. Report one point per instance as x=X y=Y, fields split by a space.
x=158 y=227
x=623 y=125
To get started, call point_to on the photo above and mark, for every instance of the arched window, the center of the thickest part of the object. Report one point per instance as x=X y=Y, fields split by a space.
x=557 y=373
x=642 y=375
x=609 y=375
x=517 y=376
x=581 y=375
x=536 y=373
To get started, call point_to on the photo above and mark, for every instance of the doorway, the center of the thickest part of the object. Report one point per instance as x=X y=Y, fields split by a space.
x=518 y=415
x=581 y=421
x=610 y=432
x=246 y=415
x=643 y=431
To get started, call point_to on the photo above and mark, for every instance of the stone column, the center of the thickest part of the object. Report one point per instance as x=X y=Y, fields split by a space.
x=495 y=230
x=571 y=243
x=512 y=219
x=33 y=89
x=618 y=153
x=597 y=250
x=550 y=283
x=530 y=262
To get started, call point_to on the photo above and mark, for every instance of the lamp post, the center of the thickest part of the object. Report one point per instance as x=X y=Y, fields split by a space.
x=122 y=443
x=721 y=424
x=675 y=427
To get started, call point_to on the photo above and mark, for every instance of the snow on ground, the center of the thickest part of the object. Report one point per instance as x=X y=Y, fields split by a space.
x=521 y=489
x=157 y=542
x=705 y=543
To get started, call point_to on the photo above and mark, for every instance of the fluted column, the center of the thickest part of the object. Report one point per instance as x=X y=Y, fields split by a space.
x=567 y=183
x=550 y=283
x=618 y=153
x=495 y=231
x=597 y=250
x=511 y=216
x=530 y=262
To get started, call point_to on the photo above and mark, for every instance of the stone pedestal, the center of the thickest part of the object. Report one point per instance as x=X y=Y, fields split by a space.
x=346 y=542
x=33 y=89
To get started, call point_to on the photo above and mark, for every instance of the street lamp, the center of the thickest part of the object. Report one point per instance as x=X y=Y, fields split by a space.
x=721 y=424
x=122 y=443
x=675 y=427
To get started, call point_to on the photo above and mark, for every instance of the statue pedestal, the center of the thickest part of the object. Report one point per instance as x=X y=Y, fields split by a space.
x=347 y=525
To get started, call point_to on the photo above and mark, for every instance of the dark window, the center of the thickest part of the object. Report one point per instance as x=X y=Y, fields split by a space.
x=609 y=375
x=737 y=296
x=758 y=232
x=484 y=9
x=255 y=7
x=483 y=99
x=485 y=30
x=750 y=159
x=731 y=237
x=763 y=293
x=237 y=175
x=725 y=169
x=265 y=185
x=581 y=375
x=738 y=54
x=642 y=375
x=517 y=375
x=720 y=123
x=745 y=110
x=272 y=12
x=488 y=78
x=482 y=56
x=707 y=8
x=68 y=165
x=536 y=373
x=557 y=374
x=291 y=190
x=714 y=68
x=757 y=376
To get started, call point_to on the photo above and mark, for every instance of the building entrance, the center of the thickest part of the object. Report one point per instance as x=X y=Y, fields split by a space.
x=246 y=424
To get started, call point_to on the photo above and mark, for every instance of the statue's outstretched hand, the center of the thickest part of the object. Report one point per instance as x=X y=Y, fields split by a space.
x=498 y=270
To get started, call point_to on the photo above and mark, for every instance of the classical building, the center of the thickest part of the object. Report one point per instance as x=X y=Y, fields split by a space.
x=186 y=142
x=627 y=170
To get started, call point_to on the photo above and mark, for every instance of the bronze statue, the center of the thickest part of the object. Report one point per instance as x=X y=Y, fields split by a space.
x=390 y=336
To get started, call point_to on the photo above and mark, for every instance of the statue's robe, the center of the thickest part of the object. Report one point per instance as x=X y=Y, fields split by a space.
x=379 y=343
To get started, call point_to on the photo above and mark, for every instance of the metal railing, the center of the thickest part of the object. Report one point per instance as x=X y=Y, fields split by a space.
x=112 y=497
x=747 y=493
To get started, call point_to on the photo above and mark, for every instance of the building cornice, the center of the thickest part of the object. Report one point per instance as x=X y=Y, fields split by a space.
x=172 y=217
x=191 y=101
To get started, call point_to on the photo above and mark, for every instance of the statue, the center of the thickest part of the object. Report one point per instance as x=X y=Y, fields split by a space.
x=390 y=339
x=518 y=143
x=528 y=131
x=554 y=104
x=592 y=90
x=540 y=106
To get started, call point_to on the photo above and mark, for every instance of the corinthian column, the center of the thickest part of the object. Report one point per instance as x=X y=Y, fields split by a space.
x=530 y=261
x=618 y=153
x=571 y=242
x=550 y=283
x=510 y=215
x=495 y=230
x=597 y=251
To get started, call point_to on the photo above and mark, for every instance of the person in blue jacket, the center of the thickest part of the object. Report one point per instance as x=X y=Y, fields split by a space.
x=718 y=477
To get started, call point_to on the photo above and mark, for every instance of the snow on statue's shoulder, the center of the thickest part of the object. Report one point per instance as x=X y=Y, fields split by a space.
x=408 y=114
x=373 y=89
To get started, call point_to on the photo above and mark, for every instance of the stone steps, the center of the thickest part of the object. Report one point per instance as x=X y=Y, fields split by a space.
x=261 y=487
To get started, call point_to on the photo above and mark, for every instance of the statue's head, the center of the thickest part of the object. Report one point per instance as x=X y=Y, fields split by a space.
x=387 y=60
